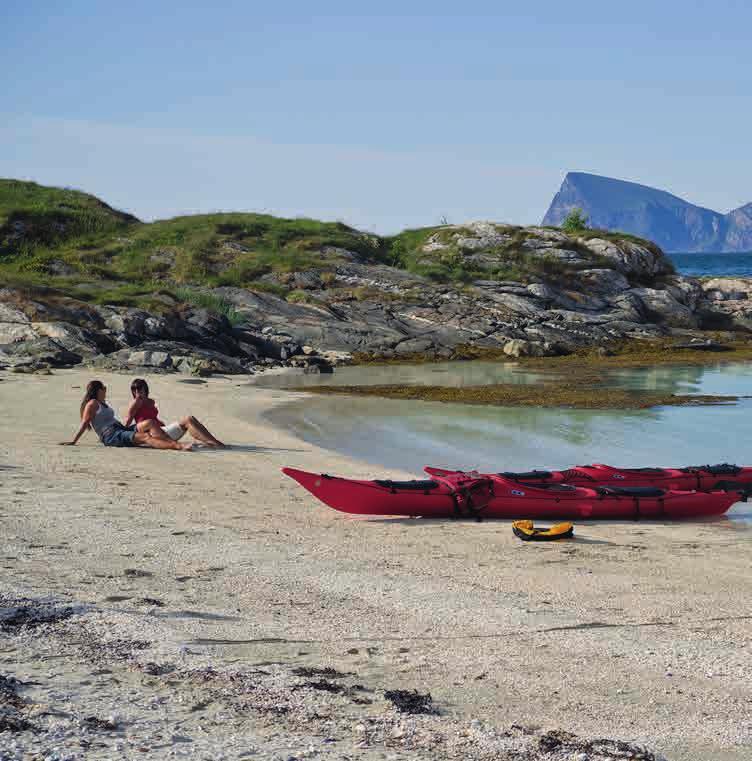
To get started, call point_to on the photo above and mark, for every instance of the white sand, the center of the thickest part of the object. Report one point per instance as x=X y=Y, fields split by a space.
x=639 y=632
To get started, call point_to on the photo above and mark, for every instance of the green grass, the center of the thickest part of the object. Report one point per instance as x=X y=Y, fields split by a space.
x=210 y=302
x=34 y=216
x=110 y=257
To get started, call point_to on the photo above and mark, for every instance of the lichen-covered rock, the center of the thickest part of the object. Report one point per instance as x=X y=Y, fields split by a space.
x=630 y=258
x=472 y=236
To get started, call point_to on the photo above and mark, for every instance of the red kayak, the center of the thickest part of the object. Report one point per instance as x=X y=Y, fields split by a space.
x=698 y=477
x=454 y=494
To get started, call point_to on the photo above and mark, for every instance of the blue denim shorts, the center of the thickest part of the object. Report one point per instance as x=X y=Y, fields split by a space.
x=119 y=436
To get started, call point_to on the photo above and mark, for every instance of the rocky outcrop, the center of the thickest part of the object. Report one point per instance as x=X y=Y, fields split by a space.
x=674 y=224
x=576 y=292
x=728 y=301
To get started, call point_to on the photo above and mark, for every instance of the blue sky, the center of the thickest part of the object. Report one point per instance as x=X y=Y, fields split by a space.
x=383 y=119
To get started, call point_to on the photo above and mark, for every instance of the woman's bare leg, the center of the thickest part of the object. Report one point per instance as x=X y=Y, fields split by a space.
x=153 y=442
x=152 y=428
x=150 y=434
x=199 y=431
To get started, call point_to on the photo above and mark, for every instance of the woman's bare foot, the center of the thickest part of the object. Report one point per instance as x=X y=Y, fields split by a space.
x=187 y=447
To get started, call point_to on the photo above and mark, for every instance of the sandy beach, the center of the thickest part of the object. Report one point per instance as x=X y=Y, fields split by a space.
x=177 y=593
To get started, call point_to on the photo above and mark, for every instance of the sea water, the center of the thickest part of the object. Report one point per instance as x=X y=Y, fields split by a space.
x=713 y=265
x=406 y=435
x=403 y=436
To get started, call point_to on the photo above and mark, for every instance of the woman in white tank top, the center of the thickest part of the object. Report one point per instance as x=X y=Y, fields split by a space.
x=97 y=414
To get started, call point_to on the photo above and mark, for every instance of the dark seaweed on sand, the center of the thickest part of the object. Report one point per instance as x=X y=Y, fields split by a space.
x=411 y=701
x=30 y=614
x=327 y=672
x=323 y=685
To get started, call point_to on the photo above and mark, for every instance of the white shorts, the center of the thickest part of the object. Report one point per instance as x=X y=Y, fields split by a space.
x=175 y=431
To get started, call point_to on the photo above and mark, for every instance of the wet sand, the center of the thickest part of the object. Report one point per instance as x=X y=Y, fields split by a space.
x=195 y=583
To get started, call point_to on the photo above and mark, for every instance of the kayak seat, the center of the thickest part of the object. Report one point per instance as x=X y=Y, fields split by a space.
x=409 y=485
x=530 y=476
x=552 y=487
x=656 y=471
x=723 y=469
x=631 y=491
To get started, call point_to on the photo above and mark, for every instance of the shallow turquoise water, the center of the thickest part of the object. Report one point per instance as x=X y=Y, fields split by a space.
x=406 y=435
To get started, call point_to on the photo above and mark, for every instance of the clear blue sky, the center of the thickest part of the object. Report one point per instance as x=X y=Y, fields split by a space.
x=384 y=119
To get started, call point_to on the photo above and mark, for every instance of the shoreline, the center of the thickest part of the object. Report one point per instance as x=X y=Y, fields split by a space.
x=220 y=564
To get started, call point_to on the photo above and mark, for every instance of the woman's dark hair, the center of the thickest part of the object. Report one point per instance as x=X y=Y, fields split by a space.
x=139 y=385
x=92 y=389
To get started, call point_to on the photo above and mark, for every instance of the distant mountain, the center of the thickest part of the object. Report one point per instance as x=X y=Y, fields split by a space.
x=674 y=224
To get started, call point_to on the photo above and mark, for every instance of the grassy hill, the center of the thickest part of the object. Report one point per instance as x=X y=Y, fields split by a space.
x=33 y=215
x=77 y=244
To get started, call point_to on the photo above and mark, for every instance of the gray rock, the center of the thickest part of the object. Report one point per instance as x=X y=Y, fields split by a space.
x=517 y=304
x=41 y=350
x=126 y=321
x=14 y=325
x=472 y=236
x=414 y=346
x=542 y=291
x=629 y=258
x=662 y=307
x=53 y=309
x=155 y=327
x=685 y=290
x=549 y=250
x=207 y=323
x=158 y=359
x=171 y=355
x=727 y=289
x=603 y=282
x=309 y=280
x=74 y=339
x=519 y=348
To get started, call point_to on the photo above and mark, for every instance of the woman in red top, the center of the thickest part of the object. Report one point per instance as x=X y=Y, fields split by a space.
x=143 y=409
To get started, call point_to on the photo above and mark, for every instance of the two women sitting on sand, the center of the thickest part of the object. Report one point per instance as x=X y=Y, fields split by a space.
x=146 y=430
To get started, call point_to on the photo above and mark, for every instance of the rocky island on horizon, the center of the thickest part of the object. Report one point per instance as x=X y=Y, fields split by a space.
x=675 y=225
x=234 y=293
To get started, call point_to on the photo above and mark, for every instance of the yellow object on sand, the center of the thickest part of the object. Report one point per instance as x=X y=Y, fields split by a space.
x=526 y=531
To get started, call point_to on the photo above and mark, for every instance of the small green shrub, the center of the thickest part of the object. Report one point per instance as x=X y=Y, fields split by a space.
x=575 y=221
x=300 y=297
